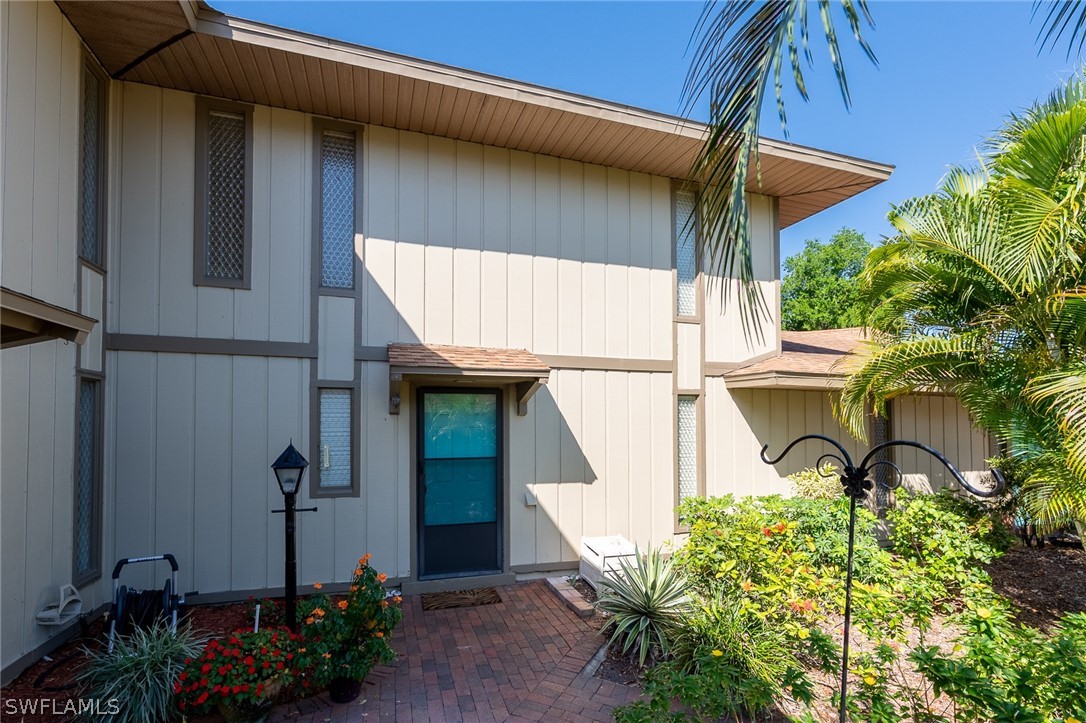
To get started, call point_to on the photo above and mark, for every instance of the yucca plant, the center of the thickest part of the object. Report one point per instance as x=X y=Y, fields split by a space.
x=646 y=599
x=136 y=680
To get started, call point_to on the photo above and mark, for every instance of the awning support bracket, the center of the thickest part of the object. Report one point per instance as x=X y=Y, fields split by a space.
x=525 y=391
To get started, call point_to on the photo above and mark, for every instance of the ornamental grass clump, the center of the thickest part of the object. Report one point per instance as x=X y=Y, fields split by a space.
x=646 y=599
x=242 y=673
x=137 y=678
x=343 y=637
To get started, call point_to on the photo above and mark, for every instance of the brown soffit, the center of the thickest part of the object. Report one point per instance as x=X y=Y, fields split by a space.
x=26 y=320
x=252 y=62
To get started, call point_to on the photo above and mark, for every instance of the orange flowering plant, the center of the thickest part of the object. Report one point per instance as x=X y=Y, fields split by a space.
x=344 y=636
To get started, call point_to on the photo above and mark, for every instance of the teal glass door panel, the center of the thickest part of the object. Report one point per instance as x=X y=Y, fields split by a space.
x=460 y=483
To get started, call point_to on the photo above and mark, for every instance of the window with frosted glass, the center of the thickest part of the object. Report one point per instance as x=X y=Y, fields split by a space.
x=85 y=533
x=335 y=439
x=337 y=209
x=686 y=266
x=688 y=446
x=90 y=176
x=224 y=168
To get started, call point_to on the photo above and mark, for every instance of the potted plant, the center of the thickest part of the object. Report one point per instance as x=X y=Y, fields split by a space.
x=344 y=636
x=240 y=676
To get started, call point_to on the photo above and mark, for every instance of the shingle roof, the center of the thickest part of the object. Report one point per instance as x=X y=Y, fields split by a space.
x=806 y=352
x=466 y=358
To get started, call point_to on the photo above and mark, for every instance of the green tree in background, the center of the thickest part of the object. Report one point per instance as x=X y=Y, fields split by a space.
x=821 y=288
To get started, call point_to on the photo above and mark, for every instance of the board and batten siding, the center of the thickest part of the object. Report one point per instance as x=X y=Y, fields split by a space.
x=941 y=422
x=42 y=57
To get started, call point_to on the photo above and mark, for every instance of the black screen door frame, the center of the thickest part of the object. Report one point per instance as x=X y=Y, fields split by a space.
x=420 y=480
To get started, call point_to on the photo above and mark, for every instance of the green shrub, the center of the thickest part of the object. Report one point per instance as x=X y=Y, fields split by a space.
x=930 y=531
x=823 y=483
x=1011 y=672
x=646 y=599
x=140 y=673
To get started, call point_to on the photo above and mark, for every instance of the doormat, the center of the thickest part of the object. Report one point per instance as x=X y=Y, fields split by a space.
x=460 y=599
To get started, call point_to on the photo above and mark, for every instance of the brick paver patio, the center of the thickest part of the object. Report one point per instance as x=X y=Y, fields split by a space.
x=521 y=659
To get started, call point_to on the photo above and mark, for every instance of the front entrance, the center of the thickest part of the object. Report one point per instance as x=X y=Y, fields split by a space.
x=459 y=482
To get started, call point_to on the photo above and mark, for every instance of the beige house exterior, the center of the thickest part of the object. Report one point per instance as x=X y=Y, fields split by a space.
x=220 y=236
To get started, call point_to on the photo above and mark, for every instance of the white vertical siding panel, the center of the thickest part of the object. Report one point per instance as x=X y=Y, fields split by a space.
x=174 y=475
x=494 y=265
x=545 y=276
x=380 y=216
x=639 y=300
x=640 y=459
x=403 y=529
x=213 y=491
x=288 y=414
x=15 y=433
x=410 y=251
x=176 y=293
x=548 y=472
x=661 y=292
x=662 y=491
x=618 y=259
x=467 y=258
x=570 y=255
x=689 y=356
x=335 y=338
x=617 y=421
x=71 y=83
x=46 y=251
x=288 y=237
x=249 y=475
x=136 y=303
x=521 y=249
x=594 y=274
x=136 y=418
x=522 y=478
x=379 y=472
x=91 y=305
x=19 y=51
x=594 y=443
x=568 y=390
x=440 y=237
x=44 y=476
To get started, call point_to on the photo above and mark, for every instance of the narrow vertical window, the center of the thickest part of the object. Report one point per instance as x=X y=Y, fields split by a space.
x=86 y=542
x=223 y=195
x=90 y=178
x=335 y=467
x=686 y=267
x=337 y=223
x=687 y=446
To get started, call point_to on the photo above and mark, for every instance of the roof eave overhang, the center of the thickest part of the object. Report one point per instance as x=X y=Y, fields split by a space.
x=785 y=380
x=27 y=320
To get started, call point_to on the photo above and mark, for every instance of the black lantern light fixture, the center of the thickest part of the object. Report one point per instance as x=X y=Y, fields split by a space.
x=289 y=469
x=856 y=483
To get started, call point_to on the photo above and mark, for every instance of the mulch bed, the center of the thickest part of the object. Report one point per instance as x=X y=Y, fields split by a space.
x=1044 y=584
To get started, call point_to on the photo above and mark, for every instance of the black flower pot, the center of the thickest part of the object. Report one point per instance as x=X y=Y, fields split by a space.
x=344 y=690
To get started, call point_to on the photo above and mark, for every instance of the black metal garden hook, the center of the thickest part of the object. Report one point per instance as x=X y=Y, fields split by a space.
x=855 y=483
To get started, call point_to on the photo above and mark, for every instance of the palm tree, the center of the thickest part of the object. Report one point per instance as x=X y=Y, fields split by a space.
x=982 y=294
x=739 y=46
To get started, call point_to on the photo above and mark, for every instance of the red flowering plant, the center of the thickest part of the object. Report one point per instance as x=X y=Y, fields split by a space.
x=244 y=671
x=344 y=636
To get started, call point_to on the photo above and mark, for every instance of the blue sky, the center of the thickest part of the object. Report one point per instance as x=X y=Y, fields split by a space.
x=948 y=72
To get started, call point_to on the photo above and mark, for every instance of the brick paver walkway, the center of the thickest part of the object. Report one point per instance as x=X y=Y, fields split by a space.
x=521 y=659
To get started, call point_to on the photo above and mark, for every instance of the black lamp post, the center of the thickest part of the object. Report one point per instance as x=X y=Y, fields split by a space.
x=856 y=484
x=289 y=469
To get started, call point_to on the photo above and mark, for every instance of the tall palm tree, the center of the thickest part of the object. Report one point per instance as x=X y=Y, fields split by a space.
x=739 y=46
x=982 y=294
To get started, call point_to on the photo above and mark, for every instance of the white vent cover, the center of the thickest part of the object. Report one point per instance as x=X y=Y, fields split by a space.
x=601 y=555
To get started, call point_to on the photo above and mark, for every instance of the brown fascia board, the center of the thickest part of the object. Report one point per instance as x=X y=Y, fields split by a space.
x=27 y=320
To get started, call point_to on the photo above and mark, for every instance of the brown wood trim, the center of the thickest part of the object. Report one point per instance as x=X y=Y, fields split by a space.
x=716 y=369
x=204 y=345
x=606 y=364
x=227 y=596
x=534 y=567
x=320 y=125
x=27 y=320
x=371 y=353
x=204 y=107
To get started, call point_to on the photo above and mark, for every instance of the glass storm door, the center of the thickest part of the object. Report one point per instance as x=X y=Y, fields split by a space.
x=460 y=483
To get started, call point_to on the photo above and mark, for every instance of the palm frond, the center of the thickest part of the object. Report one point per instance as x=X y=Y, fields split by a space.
x=1063 y=393
x=1064 y=17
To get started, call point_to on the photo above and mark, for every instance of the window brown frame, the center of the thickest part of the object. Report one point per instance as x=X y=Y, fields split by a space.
x=204 y=107
x=317 y=491
x=699 y=295
x=320 y=126
x=81 y=578
x=90 y=66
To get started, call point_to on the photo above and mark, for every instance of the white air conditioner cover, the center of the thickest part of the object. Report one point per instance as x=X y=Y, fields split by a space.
x=601 y=555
